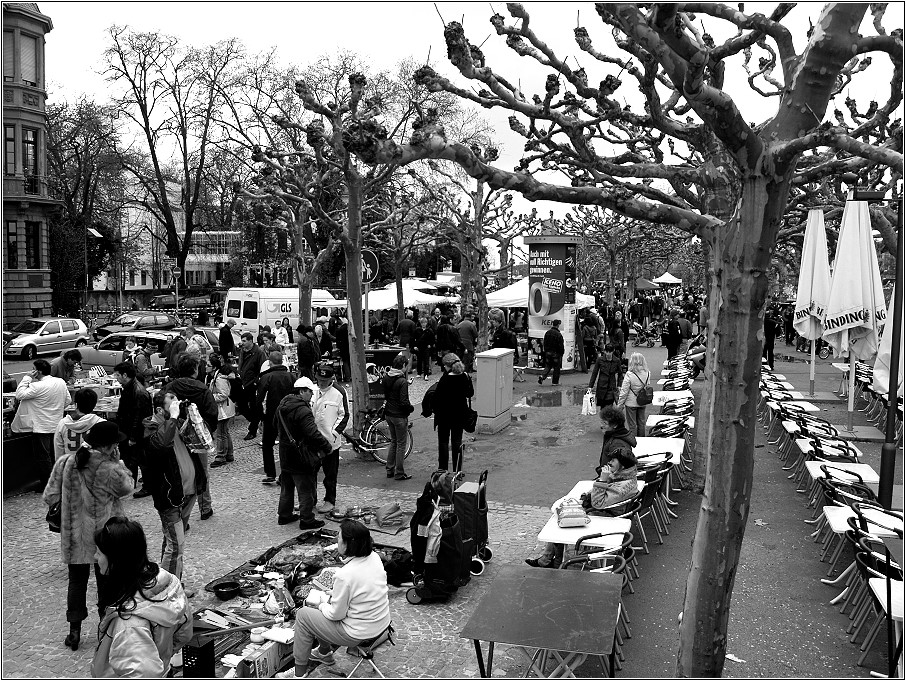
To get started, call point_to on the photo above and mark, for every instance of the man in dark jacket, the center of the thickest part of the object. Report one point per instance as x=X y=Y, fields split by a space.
x=296 y=474
x=341 y=338
x=251 y=357
x=308 y=351
x=134 y=406
x=174 y=475
x=275 y=384
x=189 y=388
x=225 y=343
x=177 y=347
x=616 y=435
x=553 y=352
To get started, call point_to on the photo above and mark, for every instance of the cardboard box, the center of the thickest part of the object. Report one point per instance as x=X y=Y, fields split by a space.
x=270 y=658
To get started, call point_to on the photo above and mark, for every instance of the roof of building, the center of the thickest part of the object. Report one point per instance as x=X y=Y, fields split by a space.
x=30 y=8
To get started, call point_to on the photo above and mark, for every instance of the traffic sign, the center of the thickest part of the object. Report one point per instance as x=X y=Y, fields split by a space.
x=176 y=272
x=167 y=260
x=370 y=266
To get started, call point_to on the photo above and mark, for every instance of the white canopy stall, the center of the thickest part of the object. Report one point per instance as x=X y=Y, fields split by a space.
x=516 y=295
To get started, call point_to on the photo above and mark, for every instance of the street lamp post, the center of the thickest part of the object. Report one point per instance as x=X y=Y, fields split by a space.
x=89 y=231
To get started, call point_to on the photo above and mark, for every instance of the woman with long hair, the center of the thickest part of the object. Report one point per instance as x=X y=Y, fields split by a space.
x=90 y=486
x=219 y=381
x=149 y=616
x=637 y=377
x=356 y=610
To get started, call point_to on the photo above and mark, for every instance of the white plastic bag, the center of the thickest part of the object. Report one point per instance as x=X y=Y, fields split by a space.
x=589 y=408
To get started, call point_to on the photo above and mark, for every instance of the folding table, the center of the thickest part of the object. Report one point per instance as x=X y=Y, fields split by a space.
x=662 y=396
x=654 y=419
x=564 y=615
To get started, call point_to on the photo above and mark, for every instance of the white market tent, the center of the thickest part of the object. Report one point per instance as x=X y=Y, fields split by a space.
x=516 y=295
x=667 y=278
x=385 y=299
x=413 y=285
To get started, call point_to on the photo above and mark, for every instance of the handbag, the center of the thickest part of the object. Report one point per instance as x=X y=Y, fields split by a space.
x=471 y=419
x=312 y=460
x=589 y=407
x=571 y=514
x=54 y=517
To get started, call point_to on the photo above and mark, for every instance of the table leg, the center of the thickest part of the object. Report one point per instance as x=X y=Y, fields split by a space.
x=480 y=658
x=490 y=656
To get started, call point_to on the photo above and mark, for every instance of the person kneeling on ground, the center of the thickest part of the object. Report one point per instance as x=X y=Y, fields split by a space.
x=149 y=618
x=616 y=482
x=356 y=610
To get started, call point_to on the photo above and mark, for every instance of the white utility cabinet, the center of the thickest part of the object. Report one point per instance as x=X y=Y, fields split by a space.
x=494 y=389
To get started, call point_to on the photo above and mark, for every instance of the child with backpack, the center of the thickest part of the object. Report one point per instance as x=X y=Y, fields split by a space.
x=636 y=393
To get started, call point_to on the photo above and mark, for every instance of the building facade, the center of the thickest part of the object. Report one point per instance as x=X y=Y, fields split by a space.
x=28 y=198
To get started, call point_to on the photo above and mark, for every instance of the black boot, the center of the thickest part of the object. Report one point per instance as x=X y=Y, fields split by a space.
x=75 y=633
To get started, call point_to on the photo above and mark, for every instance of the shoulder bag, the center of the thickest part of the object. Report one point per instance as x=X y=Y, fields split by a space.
x=471 y=419
x=312 y=460
x=645 y=395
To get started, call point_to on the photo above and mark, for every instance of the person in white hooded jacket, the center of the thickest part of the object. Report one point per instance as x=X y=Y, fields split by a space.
x=70 y=433
x=330 y=407
x=150 y=618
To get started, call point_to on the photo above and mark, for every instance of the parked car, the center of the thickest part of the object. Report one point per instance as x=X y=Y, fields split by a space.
x=42 y=335
x=135 y=320
x=203 y=300
x=164 y=302
x=110 y=351
x=212 y=333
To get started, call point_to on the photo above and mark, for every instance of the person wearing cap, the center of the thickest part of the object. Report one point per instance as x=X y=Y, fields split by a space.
x=90 y=486
x=276 y=383
x=553 y=352
x=331 y=410
x=298 y=430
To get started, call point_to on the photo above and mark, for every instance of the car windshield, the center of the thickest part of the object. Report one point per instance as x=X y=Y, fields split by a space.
x=28 y=326
x=125 y=319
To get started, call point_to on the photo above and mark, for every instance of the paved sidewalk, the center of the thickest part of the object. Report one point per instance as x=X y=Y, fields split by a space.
x=780 y=623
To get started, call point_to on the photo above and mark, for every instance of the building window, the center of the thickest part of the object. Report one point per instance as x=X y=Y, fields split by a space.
x=12 y=245
x=9 y=61
x=33 y=245
x=144 y=277
x=30 y=151
x=29 y=47
x=131 y=277
x=9 y=150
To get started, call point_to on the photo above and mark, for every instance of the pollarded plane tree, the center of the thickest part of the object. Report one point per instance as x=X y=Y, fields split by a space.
x=472 y=209
x=505 y=229
x=730 y=190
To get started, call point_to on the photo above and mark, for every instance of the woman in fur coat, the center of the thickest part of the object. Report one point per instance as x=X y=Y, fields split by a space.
x=90 y=486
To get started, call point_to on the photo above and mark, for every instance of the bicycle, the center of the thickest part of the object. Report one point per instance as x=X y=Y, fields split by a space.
x=375 y=439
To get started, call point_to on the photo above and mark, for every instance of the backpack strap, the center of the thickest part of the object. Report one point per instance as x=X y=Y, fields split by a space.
x=640 y=378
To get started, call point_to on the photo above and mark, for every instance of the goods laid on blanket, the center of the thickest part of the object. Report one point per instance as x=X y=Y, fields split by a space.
x=259 y=595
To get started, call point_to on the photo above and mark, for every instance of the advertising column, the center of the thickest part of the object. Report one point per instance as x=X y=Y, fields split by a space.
x=552 y=295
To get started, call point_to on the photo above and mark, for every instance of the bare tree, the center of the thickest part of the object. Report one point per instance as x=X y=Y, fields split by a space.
x=168 y=95
x=721 y=178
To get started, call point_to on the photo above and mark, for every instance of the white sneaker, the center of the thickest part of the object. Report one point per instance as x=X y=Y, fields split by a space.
x=324 y=507
x=290 y=674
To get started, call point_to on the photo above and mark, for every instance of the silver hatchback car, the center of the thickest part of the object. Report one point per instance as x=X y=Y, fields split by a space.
x=42 y=335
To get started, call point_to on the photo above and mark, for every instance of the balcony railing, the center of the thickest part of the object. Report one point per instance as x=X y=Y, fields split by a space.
x=38 y=186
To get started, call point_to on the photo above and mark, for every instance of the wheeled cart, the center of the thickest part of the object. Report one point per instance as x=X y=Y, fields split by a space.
x=470 y=503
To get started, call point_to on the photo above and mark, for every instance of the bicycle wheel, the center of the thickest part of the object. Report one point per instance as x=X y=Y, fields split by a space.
x=377 y=437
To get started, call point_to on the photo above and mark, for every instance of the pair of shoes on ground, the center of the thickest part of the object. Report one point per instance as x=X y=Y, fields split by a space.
x=216 y=463
x=402 y=476
x=286 y=521
x=269 y=480
x=324 y=507
x=207 y=514
x=311 y=524
x=534 y=562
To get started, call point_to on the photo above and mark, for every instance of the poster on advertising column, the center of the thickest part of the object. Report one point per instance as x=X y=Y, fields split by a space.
x=552 y=295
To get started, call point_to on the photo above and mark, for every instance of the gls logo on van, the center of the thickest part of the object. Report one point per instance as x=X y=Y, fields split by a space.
x=281 y=308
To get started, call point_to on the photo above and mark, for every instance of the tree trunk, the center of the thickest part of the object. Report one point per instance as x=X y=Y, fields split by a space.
x=742 y=283
x=352 y=250
x=481 y=318
x=306 y=283
x=503 y=275
x=398 y=278
x=466 y=269
x=612 y=276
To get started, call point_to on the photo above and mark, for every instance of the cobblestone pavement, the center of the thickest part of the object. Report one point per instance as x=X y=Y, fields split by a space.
x=780 y=624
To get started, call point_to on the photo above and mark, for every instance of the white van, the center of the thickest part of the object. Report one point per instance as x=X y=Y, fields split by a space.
x=256 y=307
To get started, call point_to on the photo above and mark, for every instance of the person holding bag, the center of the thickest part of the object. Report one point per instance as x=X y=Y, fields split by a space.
x=605 y=377
x=220 y=383
x=301 y=446
x=454 y=389
x=396 y=411
x=634 y=393
x=90 y=486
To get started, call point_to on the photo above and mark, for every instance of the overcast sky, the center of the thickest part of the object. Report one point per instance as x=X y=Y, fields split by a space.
x=385 y=33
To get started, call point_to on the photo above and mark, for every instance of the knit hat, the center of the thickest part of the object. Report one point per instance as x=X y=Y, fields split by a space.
x=104 y=433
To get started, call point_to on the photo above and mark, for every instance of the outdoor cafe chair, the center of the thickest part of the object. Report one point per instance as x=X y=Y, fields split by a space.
x=872 y=601
x=646 y=507
x=672 y=384
x=817 y=449
x=684 y=406
x=802 y=425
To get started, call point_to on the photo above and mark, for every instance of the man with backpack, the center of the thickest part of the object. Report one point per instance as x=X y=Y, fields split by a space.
x=276 y=383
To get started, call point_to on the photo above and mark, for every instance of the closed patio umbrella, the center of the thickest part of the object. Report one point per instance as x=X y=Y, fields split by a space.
x=881 y=373
x=814 y=285
x=855 y=308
